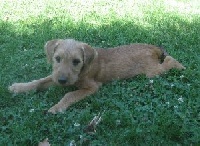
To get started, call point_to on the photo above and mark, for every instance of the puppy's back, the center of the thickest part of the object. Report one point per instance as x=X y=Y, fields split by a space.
x=126 y=61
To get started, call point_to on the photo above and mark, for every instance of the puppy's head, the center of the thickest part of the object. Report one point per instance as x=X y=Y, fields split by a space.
x=69 y=58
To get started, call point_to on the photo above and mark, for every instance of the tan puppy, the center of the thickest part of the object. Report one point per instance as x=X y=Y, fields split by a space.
x=76 y=63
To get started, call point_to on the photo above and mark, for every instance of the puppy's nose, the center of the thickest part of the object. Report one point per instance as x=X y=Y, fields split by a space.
x=62 y=80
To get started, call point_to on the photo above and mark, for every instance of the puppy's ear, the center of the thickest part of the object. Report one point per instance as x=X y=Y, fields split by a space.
x=88 y=54
x=50 y=48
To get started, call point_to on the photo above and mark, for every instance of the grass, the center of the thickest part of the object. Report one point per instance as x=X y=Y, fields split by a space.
x=164 y=110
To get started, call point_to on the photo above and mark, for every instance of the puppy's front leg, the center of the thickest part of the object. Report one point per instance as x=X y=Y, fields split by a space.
x=71 y=98
x=34 y=85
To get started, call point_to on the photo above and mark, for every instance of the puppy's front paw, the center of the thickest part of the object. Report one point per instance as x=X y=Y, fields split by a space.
x=16 y=88
x=58 y=108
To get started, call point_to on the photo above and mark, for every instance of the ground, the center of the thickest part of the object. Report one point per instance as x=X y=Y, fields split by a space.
x=158 y=111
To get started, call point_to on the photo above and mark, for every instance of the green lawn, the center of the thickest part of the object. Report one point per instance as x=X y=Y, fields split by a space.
x=164 y=110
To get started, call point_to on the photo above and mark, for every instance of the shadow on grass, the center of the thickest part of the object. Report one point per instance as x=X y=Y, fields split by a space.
x=24 y=45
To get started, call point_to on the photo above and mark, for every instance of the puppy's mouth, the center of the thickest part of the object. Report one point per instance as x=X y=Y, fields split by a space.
x=65 y=81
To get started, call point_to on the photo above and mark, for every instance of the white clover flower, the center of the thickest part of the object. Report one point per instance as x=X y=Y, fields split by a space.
x=176 y=106
x=172 y=85
x=118 y=122
x=151 y=81
x=167 y=103
x=180 y=100
x=77 y=124
x=182 y=76
x=31 y=110
x=72 y=143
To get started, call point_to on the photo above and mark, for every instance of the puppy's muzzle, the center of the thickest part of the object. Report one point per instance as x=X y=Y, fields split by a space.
x=62 y=80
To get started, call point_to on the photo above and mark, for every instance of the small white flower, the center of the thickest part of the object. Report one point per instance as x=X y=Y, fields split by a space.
x=180 y=99
x=167 y=103
x=31 y=110
x=76 y=124
x=81 y=136
x=87 y=104
x=182 y=76
x=176 y=106
x=72 y=143
x=172 y=85
x=151 y=81
x=118 y=122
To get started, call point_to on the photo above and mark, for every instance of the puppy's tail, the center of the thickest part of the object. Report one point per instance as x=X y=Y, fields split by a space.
x=163 y=54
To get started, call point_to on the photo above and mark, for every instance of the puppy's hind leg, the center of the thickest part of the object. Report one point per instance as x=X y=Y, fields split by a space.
x=168 y=63
x=34 y=85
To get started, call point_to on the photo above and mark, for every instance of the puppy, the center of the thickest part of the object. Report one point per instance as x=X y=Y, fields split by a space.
x=77 y=63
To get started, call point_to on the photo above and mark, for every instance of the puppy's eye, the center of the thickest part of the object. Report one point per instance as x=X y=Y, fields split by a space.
x=76 y=62
x=58 y=59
